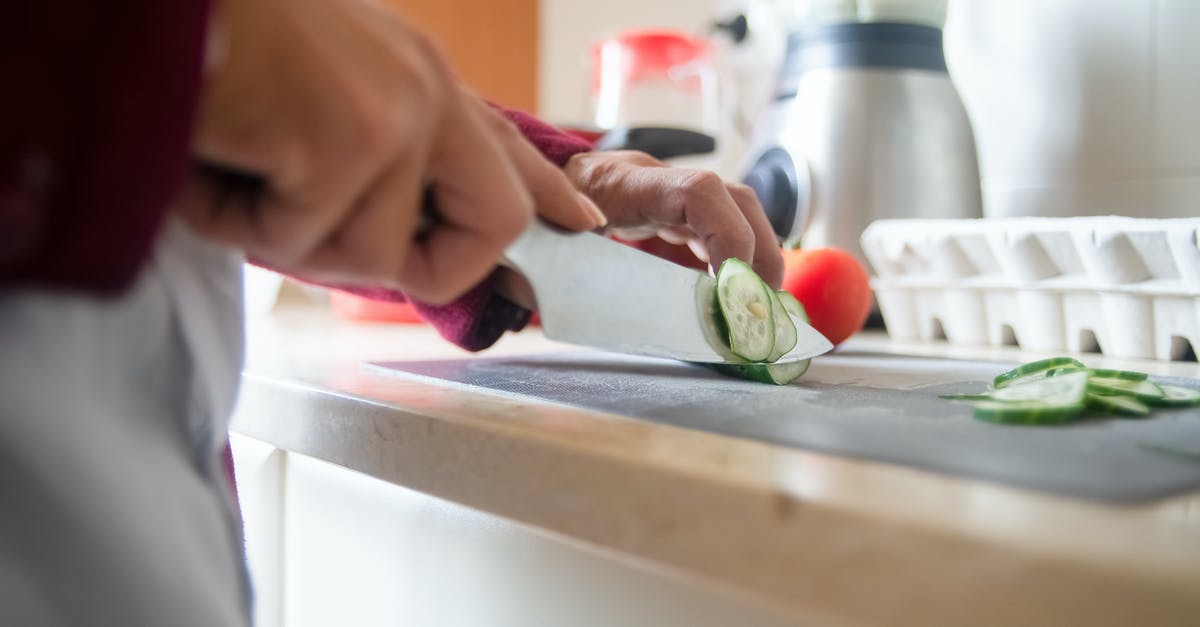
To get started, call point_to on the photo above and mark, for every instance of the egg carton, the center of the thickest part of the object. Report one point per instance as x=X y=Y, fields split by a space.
x=1125 y=287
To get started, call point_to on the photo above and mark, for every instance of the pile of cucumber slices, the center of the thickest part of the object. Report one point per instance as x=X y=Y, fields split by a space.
x=753 y=321
x=1061 y=389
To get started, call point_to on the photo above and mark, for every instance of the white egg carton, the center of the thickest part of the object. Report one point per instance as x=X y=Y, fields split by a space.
x=1126 y=287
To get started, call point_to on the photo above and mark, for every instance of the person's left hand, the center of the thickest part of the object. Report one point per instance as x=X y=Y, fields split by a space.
x=644 y=197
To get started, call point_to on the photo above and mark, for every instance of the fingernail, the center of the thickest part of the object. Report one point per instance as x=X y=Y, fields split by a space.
x=597 y=216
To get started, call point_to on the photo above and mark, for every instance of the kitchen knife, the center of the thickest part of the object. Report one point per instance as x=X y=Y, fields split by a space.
x=596 y=292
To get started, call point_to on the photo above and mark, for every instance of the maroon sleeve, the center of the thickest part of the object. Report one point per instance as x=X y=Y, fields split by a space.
x=474 y=321
x=477 y=319
x=554 y=144
x=97 y=107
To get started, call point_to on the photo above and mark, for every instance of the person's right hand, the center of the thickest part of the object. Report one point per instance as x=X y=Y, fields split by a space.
x=344 y=115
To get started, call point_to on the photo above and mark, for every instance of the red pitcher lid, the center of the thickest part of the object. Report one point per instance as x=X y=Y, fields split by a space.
x=650 y=52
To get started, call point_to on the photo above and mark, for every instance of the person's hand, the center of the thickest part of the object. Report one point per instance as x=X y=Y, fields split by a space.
x=339 y=116
x=643 y=197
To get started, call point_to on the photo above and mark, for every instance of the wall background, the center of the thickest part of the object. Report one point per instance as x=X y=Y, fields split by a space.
x=1080 y=107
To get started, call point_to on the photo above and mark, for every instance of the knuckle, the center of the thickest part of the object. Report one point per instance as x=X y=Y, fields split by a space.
x=742 y=192
x=635 y=157
x=510 y=224
x=436 y=285
x=702 y=182
x=374 y=266
x=501 y=125
x=596 y=172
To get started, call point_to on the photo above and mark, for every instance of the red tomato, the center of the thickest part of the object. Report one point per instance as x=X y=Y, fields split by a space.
x=833 y=287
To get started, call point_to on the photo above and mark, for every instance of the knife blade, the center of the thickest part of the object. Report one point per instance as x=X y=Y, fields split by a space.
x=595 y=292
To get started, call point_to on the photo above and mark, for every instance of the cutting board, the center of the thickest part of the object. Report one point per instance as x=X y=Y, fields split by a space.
x=879 y=407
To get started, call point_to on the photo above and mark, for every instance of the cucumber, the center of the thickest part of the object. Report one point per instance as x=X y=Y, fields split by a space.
x=1037 y=370
x=1025 y=412
x=1175 y=396
x=1124 y=375
x=746 y=304
x=777 y=374
x=785 y=330
x=791 y=305
x=1048 y=400
x=1113 y=404
x=1142 y=390
x=1061 y=389
x=740 y=325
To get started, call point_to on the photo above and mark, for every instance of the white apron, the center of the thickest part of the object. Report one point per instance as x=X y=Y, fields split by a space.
x=114 y=507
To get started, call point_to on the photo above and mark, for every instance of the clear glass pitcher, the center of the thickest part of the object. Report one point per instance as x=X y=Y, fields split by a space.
x=655 y=78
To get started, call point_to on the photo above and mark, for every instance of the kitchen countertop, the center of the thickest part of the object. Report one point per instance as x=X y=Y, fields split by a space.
x=829 y=538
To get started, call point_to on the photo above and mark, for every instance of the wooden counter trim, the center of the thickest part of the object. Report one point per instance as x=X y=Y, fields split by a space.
x=824 y=538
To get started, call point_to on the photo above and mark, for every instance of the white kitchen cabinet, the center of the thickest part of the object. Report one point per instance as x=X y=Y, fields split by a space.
x=330 y=546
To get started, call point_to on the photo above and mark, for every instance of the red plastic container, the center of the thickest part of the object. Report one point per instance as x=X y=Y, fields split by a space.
x=352 y=307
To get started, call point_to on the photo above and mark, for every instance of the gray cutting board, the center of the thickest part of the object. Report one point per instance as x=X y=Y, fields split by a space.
x=871 y=406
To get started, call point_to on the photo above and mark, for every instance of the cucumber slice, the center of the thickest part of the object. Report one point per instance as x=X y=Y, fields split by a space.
x=785 y=330
x=1025 y=413
x=1114 y=404
x=1037 y=370
x=1175 y=396
x=776 y=374
x=1142 y=390
x=791 y=305
x=1060 y=388
x=1125 y=375
x=746 y=306
x=1048 y=400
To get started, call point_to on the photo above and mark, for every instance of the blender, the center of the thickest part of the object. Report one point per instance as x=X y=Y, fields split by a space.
x=864 y=124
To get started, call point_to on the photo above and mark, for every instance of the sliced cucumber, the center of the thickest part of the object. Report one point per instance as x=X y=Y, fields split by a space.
x=785 y=330
x=791 y=305
x=1025 y=412
x=736 y=320
x=1061 y=388
x=1175 y=396
x=777 y=374
x=1124 y=375
x=1114 y=404
x=745 y=303
x=1037 y=370
x=1047 y=400
x=1142 y=390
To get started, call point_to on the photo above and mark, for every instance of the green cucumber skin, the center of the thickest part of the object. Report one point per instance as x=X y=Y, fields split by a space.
x=1142 y=390
x=1037 y=370
x=785 y=331
x=770 y=373
x=1124 y=375
x=1175 y=396
x=996 y=412
x=740 y=335
x=1118 y=405
x=774 y=374
x=1122 y=393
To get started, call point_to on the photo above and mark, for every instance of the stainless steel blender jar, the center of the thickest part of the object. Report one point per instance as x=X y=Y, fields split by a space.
x=865 y=124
